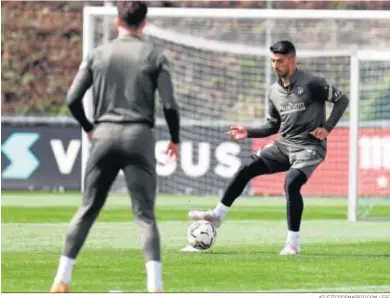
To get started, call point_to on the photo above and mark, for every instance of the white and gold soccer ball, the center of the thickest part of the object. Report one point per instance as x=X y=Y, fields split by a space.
x=201 y=234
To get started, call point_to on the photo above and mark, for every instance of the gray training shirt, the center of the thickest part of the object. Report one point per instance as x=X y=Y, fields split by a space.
x=124 y=75
x=299 y=109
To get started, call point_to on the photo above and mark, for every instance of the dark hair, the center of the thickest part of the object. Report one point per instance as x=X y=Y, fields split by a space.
x=132 y=13
x=284 y=47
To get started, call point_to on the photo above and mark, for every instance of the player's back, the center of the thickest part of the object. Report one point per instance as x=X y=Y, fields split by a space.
x=125 y=75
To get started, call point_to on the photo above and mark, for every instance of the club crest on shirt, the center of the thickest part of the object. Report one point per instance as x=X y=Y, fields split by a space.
x=300 y=90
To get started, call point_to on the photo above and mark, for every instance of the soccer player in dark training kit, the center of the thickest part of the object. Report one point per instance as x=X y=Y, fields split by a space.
x=296 y=109
x=124 y=75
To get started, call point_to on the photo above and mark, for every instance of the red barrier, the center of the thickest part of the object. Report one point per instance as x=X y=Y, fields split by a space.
x=331 y=177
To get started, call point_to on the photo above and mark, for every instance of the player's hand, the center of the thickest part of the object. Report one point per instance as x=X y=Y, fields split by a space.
x=320 y=133
x=172 y=150
x=237 y=132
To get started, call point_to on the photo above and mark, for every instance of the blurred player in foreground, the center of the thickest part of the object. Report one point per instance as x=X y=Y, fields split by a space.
x=124 y=75
x=297 y=109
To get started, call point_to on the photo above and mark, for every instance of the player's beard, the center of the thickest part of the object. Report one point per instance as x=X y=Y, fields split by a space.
x=282 y=75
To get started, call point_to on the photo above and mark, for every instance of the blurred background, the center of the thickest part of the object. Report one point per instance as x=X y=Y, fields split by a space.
x=42 y=44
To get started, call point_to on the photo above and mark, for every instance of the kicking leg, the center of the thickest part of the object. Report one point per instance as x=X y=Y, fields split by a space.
x=101 y=171
x=235 y=188
x=270 y=160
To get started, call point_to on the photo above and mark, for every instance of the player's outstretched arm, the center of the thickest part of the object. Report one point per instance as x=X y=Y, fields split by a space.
x=270 y=127
x=170 y=106
x=74 y=98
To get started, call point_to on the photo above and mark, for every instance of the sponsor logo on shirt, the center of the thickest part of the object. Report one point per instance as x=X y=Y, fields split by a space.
x=292 y=107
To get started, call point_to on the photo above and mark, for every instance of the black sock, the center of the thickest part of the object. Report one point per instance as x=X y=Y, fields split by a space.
x=294 y=181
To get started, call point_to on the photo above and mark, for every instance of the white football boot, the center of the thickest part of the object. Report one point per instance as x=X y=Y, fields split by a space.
x=290 y=249
x=189 y=248
x=206 y=215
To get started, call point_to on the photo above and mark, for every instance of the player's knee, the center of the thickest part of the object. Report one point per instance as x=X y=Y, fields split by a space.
x=92 y=207
x=289 y=186
x=88 y=211
x=145 y=216
x=252 y=169
x=294 y=181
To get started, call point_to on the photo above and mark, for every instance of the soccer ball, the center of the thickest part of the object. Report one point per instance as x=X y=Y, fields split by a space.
x=201 y=234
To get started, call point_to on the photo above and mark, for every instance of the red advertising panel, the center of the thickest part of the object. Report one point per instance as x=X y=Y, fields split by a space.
x=331 y=177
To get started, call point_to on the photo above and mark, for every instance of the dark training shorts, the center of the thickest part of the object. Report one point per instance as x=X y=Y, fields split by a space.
x=280 y=157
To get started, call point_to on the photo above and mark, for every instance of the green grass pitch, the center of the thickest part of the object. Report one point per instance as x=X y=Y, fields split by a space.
x=337 y=255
